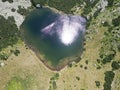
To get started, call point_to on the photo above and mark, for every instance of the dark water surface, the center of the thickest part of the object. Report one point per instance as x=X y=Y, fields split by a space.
x=53 y=35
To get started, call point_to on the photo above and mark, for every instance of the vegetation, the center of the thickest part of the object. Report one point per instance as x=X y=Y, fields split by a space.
x=107 y=45
x=81 y=66
x=110 y=44
x=89 y=6
x=62 y=5
x=16 y=52
x=98 y=67
x=13 y=10
x=10 y=1
x=78 y=78
x=105 y=24
x=70 y=65
x=67 y=5
x=116 y=21
x=109 y=76
x=8 y=32
x=53 y=79
x=4 y=56
x=96 y=13
x=22 y=11
x=85 y=68
x=54 y=85
x=98 y=60
x=78 y=60
x=17 y=83
x=97 y=83
x=110 y=3
x=86 y=61
x=115 y=65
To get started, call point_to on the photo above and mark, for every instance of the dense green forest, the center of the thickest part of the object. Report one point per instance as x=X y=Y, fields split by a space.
x=9 y=34
x=62 y=5
x=67 y=5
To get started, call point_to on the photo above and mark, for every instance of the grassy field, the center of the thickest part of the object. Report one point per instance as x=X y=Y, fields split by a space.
x=26 y=68
x=27 y=72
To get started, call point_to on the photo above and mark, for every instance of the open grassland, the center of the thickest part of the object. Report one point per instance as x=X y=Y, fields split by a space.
x=24 y=71
x=23 y=67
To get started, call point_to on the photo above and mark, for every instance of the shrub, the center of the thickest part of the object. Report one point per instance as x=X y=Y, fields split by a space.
x=3 y=56
x=67 y=5
x=116 y=21
x=13 y=9
x=70 y=65
x=78 y=78
x=110 y=3
x=109 y=76
x=22 y=11
x=105 y=24
x=54 y=85
x=97 y=83
x=86 y=61
x=10 y=1
x=115 y=65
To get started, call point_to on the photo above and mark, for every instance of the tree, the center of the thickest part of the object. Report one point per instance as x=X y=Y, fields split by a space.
x=3 y=56
x=8 y=32
x=110 y=3
x=10 y=1
x=109 y=76
x=97 y=83
x=115 y=65
x=116 y=21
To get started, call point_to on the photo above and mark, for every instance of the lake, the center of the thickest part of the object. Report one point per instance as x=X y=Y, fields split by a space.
x=53 y=36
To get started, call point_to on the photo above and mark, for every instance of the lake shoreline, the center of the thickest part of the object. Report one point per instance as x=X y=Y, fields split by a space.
x=48 y=63
x=60 y=66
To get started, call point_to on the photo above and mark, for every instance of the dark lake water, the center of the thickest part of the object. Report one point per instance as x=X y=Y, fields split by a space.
x=54 y=35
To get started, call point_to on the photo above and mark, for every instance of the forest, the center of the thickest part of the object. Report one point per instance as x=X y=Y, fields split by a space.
x=9 y=34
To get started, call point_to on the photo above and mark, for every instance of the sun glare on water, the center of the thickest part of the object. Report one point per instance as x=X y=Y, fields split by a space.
x=68 y=34
x=67 y=28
